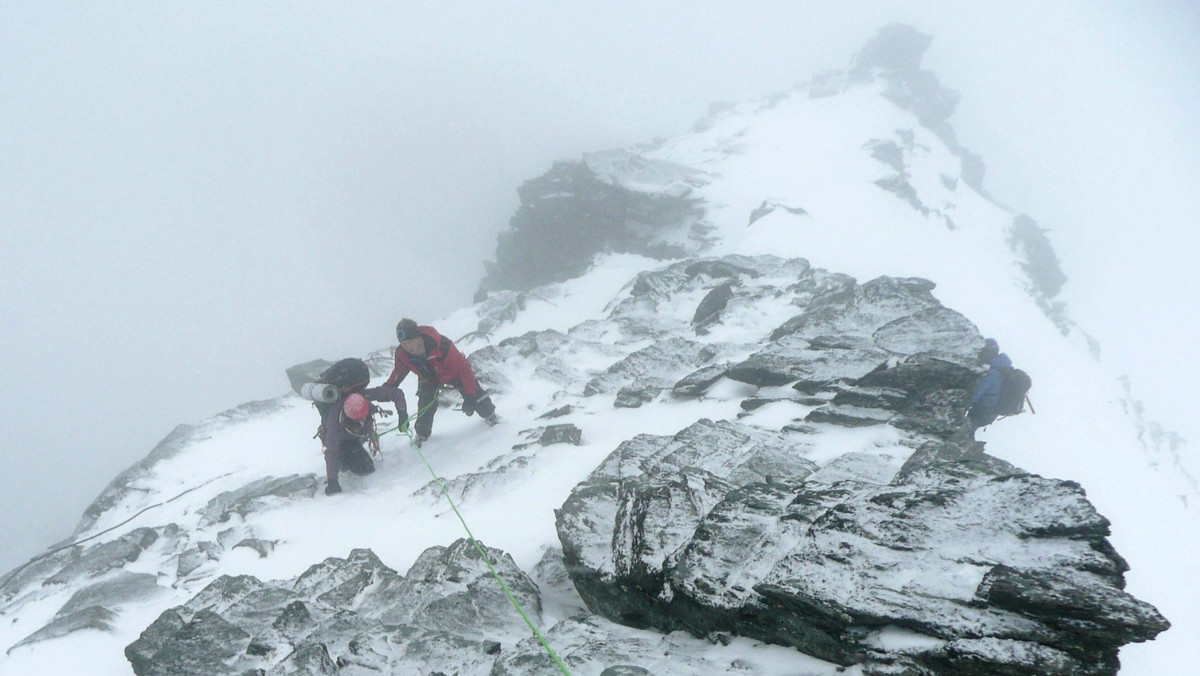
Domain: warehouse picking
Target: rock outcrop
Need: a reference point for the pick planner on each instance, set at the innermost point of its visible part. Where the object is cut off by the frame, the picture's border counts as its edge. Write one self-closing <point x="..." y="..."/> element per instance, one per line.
<point x="346" y="616"/>
<point x="730" y="528"/>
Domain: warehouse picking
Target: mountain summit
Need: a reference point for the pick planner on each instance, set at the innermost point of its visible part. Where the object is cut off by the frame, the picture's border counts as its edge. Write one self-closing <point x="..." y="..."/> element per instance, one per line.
<point x="732" y="369"/>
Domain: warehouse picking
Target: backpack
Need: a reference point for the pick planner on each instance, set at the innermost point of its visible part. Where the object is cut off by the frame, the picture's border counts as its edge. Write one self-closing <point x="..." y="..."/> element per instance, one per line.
<point x="1016" y="384"/>
<point x="347" y="374"/>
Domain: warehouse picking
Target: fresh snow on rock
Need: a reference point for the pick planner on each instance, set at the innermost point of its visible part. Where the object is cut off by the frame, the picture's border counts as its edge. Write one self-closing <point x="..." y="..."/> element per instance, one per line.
<point x="803" y="330"/>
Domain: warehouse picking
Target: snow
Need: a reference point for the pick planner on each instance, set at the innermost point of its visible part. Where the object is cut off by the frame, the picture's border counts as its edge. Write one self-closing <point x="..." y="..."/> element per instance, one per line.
<point x="802" y="152"/>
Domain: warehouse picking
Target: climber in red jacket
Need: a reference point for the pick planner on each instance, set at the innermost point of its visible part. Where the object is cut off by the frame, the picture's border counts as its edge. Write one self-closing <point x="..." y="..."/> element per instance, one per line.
<point x="437" y="363"/>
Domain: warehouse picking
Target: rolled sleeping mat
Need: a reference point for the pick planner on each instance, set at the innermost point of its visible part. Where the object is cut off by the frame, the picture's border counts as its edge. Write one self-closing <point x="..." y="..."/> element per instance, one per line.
<point x="322" y="392"/>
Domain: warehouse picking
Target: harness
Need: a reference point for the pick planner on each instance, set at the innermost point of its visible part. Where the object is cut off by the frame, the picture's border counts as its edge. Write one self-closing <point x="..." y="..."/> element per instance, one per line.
<point x="364" y="430"/>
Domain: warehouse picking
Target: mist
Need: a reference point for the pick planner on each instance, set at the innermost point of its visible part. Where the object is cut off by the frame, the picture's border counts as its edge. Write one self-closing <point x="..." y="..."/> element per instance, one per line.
<point x="194" y="198"/>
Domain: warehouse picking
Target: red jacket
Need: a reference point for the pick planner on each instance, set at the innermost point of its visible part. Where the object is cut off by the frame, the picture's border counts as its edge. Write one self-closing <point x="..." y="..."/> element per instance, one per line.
<point x="441" y="364"/>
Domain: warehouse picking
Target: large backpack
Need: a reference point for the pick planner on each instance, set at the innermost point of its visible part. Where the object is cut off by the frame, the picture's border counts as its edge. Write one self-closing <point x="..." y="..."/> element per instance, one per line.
<point x="347" y="374"/>
<point x="1012" y="392"/>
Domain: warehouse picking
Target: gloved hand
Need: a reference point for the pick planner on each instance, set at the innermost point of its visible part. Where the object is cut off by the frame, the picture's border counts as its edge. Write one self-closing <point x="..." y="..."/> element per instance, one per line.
<point x="333" y="488"/>
<point x="468" y="405"/>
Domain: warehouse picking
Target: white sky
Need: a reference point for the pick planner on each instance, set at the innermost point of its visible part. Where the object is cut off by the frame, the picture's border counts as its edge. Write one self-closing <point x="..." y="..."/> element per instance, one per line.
<point x="193" y="198"/>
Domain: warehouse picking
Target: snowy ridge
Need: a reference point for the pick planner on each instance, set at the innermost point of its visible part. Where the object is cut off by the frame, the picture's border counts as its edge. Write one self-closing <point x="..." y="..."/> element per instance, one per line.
<point x="833" y="180"/>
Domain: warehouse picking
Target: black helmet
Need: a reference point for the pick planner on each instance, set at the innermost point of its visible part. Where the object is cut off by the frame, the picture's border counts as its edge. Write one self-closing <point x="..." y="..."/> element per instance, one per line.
<point x="406" y="330"/>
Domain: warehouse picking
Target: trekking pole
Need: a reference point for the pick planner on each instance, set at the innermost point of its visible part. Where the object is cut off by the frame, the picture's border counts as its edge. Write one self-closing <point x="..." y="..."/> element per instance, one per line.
<point x="1030" y="405"/>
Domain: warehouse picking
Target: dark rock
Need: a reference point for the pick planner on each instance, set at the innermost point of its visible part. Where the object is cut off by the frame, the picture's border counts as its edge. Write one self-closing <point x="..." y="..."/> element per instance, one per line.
<point x="697" y="382"/>
<point x="1081" y="602"/>
<point x="345" y="615"/>
<point x="734" y="266"/>
<point x="254" y="496"/>
<point x="1041" y="264"/>
<point x="308" y="372"/>
<point x="558" y="412"/>
<point x="895" y="47"/>
<point x="790" y="360"/>
<point x="203" y="645"/>
<point x="561" y="434"/>
<point x="633" y="396"/>
<point x="709" y="310"/>
<point x="618" y="527"/>
<point x="570" y="214"/>
<point x="1003" y="571"/>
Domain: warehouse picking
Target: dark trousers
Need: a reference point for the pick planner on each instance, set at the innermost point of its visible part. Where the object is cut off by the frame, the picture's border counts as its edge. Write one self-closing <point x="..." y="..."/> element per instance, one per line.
<point x="427" y="404"/>
<point x="354" y="458"/>
<point x="982" y="415"/>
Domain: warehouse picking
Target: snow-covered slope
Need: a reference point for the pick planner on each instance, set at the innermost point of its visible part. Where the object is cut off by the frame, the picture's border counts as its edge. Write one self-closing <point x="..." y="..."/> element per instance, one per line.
<point x="855" y="173"/>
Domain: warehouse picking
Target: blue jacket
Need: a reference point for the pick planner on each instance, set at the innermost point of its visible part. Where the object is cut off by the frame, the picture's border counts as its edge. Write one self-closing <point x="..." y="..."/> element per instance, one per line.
<point x="987" y="392"/>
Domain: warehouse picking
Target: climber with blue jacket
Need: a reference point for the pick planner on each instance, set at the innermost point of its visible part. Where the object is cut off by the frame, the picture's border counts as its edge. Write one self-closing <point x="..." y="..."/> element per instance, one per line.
<point x="985" y="401"/>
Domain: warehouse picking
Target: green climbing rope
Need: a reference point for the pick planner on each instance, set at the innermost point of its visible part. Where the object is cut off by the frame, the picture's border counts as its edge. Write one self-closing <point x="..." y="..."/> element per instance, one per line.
<point x="407" y="431"/>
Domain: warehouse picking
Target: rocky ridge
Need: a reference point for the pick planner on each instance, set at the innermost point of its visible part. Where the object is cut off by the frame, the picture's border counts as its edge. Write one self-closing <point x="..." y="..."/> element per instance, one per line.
<point x="914" y="553"/>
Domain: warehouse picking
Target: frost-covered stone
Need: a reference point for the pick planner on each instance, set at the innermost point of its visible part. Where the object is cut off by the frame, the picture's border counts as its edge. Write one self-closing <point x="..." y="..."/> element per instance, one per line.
<point x="346" y="616"/>
<point x="255" y="495"/>
<point x="952" y="544"/>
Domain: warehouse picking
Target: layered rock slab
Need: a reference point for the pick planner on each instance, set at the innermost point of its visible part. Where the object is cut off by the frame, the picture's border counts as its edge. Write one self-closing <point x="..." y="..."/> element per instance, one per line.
<point x="998" y="570"/>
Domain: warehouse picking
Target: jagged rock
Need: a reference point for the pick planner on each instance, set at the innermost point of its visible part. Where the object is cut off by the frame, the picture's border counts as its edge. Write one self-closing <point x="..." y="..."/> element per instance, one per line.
<point x="709" y="310"/>
<point x="557" y="413"/>
<point x="633" y="396"/>
<point x="1002" y="571"/>
<point x="640" y="505"/>
<point x="192" y="559"/>
<point x="850" y="331"/>
<point x="307" y="372"/>
<point x="105" y="556"/>
<point x="568" y="215"/>
<point x="345" y="616"/>
<point x="651" y="363"/>
<point x="697" y="382"/>
<point x="252" y="497"/>
<point x="848" y="309"/>
<point x="790" y="360"/>
<point x="561" y="434"/>
<point x="1041" y="264"/>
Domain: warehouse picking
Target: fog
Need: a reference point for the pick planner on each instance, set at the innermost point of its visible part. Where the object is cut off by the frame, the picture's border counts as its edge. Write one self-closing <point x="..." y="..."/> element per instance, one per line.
<point x="195" y="197"/>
